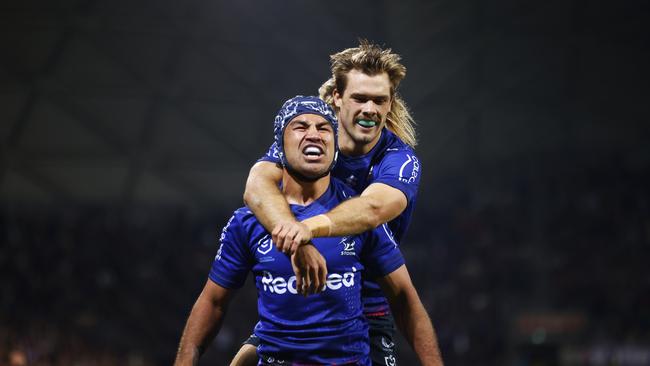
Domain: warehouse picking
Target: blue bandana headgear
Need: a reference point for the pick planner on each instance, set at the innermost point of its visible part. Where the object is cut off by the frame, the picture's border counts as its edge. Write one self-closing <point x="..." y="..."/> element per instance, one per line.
<point x="303" y="105"/>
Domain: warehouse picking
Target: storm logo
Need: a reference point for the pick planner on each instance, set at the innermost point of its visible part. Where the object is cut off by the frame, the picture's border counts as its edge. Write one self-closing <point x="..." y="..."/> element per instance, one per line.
<point x="348" y="247"/>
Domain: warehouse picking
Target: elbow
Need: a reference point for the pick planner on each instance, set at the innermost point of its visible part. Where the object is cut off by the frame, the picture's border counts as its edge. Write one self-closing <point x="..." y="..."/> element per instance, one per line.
<point x="252" y="193"/>
<point x="262" y="177"/>
<point x="381" y="206"/>
<point x="252" y="197"/>
<point x="248" y="197"/>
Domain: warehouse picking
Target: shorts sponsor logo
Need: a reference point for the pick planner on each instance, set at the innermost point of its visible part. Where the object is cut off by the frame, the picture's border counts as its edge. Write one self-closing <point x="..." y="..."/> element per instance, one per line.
<point x="390" y="360"/>
<point x="271" y="361"/>
<point x="281" y="285"/>
<point x="388" y="344"/>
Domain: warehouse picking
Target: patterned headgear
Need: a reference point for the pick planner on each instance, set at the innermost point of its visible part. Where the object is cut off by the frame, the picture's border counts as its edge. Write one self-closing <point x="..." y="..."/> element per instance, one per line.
<point x="303" y="105"/>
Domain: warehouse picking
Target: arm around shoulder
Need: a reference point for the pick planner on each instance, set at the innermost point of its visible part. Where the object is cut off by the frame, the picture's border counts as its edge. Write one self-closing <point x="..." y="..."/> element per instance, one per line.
<point x="377" y="204"/>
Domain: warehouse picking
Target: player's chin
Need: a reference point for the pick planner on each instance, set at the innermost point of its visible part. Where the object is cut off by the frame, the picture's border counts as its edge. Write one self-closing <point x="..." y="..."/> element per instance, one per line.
<point x="315" y="170"/>
<point x="364" y="137"/>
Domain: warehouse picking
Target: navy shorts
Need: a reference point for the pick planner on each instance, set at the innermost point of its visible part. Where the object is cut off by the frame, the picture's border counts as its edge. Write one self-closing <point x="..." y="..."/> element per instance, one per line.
<point x="382" y="344"/>
<point x="382" y="340"/>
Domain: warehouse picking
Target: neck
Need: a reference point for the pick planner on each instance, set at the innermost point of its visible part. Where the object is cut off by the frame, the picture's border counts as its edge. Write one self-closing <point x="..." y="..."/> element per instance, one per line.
<point x="349" y="147"/>
<point x="300" y="192"/>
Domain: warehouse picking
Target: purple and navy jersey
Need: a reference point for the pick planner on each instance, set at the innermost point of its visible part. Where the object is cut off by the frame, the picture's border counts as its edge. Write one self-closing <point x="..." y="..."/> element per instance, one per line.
<point x="391" y="162"/>
<point x="327" y="328"/>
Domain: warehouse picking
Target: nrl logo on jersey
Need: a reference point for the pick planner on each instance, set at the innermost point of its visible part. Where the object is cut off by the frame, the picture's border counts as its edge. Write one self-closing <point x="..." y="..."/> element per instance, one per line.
<point x="348" y="246"/>
<point x="265" y="244"/>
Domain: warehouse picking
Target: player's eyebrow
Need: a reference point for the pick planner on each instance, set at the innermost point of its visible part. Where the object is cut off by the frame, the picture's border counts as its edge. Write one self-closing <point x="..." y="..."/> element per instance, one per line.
<point x="382" y="98"/>
<point x="321" y="124"/>
<point x="304" y="123"/>
<point x="300" y="122"/>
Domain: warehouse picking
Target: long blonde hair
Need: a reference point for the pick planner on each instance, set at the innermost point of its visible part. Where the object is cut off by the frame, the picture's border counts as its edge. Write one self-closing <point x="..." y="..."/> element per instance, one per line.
<point x="372" y="60"/>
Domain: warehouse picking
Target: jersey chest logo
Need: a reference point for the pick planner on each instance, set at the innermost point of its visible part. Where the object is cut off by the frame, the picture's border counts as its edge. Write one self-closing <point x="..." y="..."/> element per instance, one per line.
<point x="348" y="246"/>
<point x="265" y="244"/>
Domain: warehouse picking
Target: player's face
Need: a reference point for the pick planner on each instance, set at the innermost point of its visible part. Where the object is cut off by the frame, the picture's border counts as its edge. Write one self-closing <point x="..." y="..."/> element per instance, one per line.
<point x="363" y="106"/>
<point x="309" y="144"/>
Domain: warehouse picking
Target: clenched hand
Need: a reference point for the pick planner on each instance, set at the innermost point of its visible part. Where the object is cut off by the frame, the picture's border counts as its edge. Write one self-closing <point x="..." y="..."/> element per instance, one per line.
<point x="288" y="236"/>
<point x="310" y="269"/>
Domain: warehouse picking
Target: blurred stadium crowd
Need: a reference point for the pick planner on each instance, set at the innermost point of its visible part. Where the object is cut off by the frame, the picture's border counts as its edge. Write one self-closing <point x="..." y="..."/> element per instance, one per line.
<point x="520" y="264"/>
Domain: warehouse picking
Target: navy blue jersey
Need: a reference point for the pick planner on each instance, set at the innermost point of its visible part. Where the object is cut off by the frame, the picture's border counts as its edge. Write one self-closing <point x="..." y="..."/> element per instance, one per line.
<point x="392" y="162"/>
<point x="327" y="328"/>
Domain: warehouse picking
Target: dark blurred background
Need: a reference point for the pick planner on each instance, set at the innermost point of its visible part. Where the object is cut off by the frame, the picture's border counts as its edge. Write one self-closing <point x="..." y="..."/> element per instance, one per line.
<point x="127" y="129"/>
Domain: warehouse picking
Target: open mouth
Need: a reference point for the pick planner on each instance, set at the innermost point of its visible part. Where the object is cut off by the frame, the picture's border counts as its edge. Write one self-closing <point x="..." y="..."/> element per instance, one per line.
<point x="313" y="151"/>
<point x="367" y="123"/>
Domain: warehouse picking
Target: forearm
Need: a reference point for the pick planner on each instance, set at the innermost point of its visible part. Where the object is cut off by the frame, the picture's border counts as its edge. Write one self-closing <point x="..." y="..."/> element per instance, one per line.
<point x="414" y="323"/>
<point x="378" y="204"/>
<point x="351" y="217"/>
<point x="411" y="316"/>
<point x="262" y="195"/>
<point x="202" y="325"/>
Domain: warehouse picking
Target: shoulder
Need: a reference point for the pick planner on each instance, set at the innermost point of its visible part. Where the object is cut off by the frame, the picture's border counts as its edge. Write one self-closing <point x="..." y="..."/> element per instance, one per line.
<point x="241" y="221"/>
<point x="398" y="162"/>
<point x="396" y="151"/>
<point x="392" y="143"/>
<point x="242" y="215"/>
<point x="392" y="147"/>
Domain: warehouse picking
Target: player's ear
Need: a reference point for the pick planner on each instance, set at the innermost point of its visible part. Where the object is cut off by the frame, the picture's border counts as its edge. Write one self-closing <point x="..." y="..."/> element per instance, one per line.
<point x="337" y="98"/>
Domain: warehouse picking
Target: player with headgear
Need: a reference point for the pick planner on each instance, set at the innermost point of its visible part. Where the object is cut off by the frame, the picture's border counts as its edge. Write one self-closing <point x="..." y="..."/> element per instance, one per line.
<point x="325" y="328"/>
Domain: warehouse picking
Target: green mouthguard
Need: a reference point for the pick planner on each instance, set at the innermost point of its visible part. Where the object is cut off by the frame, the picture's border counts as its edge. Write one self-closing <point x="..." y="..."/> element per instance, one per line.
<point x="367" y="123"/>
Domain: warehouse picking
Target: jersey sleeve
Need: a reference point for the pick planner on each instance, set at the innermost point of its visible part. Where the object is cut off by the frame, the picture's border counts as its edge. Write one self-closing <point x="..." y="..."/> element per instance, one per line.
<point x="381" y="255"/>
<point x="272" y="155"/>
<point x="233" y="260"/>
<point x="401" y="170"/>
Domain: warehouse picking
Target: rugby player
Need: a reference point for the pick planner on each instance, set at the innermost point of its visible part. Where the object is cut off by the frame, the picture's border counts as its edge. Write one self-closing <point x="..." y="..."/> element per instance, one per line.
<point x="322" y="329"/>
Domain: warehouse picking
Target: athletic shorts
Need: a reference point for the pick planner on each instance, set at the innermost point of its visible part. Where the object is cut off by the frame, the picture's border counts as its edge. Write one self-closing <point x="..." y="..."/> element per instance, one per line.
<point x="383" y="351"/>
<point x="270" y="361"/>
<point x="382" y="346"/>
